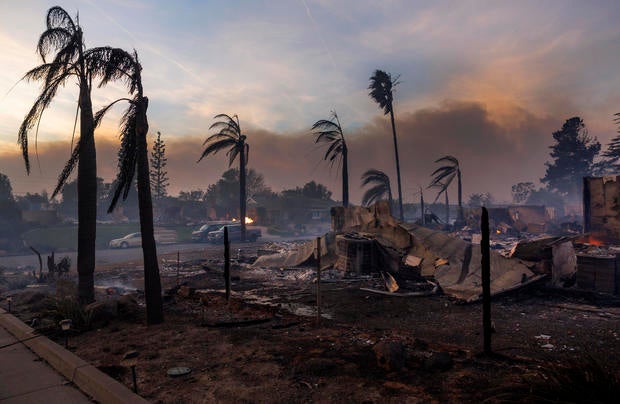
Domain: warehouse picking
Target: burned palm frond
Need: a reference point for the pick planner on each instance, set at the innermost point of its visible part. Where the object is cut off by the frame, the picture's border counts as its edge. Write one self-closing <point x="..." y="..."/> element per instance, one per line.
<point x="127" y="156"/>
<point x="330" y="133"/>
<point x="381" y="188"/>
<point x="381" y="89"/>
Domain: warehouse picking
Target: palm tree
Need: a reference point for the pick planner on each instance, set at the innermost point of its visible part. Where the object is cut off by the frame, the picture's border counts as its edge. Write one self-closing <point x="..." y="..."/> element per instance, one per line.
<point x="445" y="174"/>
<point x="381" y="188"/>
<point x="381" y="84"/>
<point x="330" y="132"/>
<point x="117" y="64"/>
<point x="229" y="137"/>
<point x="63" y="40"/>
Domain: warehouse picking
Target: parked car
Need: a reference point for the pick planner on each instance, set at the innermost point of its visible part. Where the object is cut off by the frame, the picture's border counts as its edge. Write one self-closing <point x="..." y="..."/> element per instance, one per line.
<point x="162" y="236"/>
<point x="130" y="240"/>
<point x="201" y="235"/>
<point x="234" y="234"/>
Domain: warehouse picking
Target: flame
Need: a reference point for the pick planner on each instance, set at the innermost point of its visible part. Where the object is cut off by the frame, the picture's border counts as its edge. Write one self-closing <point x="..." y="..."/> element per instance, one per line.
<point x="594" y="241"/>
<point x="248" y="220"/>
<point x="498" y="231"/>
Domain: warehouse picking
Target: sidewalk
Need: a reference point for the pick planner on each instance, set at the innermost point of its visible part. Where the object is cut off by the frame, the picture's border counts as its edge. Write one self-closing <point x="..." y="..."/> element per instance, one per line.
<point x="25" y="378"/>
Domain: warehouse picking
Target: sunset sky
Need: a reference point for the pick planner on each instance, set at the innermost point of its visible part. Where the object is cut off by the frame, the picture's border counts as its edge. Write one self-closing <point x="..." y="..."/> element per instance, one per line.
<point x="485" y="81"/>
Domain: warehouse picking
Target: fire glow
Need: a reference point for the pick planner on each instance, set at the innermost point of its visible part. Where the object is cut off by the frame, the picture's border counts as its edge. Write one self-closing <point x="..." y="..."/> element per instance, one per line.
<point x="248" y="220"/>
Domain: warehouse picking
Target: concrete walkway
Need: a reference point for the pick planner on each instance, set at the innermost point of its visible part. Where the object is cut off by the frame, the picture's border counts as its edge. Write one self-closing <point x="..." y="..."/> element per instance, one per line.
<point x="25" y="378"/>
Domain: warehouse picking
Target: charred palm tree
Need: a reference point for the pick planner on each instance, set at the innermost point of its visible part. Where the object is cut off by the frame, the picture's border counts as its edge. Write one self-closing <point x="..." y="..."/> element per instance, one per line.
<point x="445" y="174"/>
<point x="381" y="85"/>
<point x="330" y="132"/>
<point x="117" y="64"/>
<point x="229" y="137"/>
<point x="380" y="187"/>
<point x="62" y="42"/>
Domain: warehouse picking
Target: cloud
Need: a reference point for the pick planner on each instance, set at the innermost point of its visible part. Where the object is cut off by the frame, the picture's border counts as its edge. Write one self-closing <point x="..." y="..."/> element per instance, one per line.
<point x="492" y="156"/>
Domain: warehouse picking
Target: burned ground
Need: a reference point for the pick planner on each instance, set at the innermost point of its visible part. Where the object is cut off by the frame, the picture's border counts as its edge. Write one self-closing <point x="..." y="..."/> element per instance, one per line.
<point x="265" y="345"/>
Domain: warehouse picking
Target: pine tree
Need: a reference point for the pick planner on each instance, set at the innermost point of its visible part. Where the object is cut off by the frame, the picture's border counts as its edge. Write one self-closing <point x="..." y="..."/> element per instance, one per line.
<point x="159" y="176"/>
<point x="573" y="155"/>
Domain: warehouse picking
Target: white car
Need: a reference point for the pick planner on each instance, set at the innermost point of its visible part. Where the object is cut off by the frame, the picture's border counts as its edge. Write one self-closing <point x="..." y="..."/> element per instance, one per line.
<point x="130" y="240"/>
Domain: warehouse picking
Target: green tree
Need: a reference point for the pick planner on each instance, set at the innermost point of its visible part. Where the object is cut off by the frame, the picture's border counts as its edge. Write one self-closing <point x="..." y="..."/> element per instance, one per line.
<point x="229" y="137"/>
<point x="330" y="132"/>
<point x="443" y="177"/>
<point x="6" y="190"/>
<point x="573" y="158"/>
<point x="381" y="86"/>
<point x="311" y="190"/>
<point x="63" y="40"/>
<point x="117" y="64"/>
<point x="225" y="192"/>
<point x="521" y="192"/>
<point x="159" y="175"/>
<point x="380" y="187"/>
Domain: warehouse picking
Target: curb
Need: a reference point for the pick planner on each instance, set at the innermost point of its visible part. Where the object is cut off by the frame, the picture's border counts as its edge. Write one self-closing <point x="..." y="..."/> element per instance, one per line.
<point x="85" y="376"/>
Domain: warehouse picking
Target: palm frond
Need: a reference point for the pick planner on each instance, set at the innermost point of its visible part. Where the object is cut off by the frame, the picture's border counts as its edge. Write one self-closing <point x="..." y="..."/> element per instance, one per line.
<point x="381" y="85"/>
<point x="127" y="156"/>
<point x="67" y="170"/>
<point x="101" y="113"/>
<point x="215" y="147"/>
<point x="232" y="154"/>
<point x="381" y="188"/>
<point x="448" y="158"/>
<point x="110" y="64"/>
<point x="34" y="115"/>
<point x="58" y="17"/>
<point x="444" y="180"/>
<point x="53" y="38"/>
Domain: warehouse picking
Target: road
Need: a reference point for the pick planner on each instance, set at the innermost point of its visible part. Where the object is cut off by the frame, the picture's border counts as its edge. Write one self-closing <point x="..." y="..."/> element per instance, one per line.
<point x="111" y="256"/>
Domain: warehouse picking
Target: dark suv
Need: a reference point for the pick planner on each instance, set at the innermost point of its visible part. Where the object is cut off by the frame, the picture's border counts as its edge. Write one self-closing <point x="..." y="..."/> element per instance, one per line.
<point x="201" y="235"/>
<point x="234" y="234"/>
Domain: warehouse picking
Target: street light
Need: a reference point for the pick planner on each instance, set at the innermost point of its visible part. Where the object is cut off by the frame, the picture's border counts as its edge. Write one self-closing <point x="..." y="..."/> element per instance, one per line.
<point x="65" y="326"/>
<point x="130" y="359"/>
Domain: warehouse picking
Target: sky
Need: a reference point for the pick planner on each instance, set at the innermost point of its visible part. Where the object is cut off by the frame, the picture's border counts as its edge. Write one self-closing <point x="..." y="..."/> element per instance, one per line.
<point x="485" y="81"/>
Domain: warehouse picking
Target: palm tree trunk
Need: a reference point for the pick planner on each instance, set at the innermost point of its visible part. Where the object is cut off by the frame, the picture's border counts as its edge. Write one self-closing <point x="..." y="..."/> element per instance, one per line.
<point x="460" y="217"/>
<point x="345" y="177"/>
<point x="400" y="193"/>
<point x="152" y="281"/>
<point x="447" y="207"/>
<point x="242" y="191"/>
<point x="87" y="198"/>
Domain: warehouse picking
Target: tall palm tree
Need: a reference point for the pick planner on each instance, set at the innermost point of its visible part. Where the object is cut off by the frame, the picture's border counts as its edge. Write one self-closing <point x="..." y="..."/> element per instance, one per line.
<point x="445" y="174"/>
<point x="229" y="137"/>
<point x="381" y="85"/>
<point x="330" y="132"/>
<point x="63" y="42"/>
<point x="381" y="188"/>
<point x="117" y="64"/>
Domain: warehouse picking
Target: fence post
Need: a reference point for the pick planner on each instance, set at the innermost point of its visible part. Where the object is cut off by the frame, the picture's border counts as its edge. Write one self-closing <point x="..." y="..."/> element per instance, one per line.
<point x="486" y="280"/>
<point x="227" y="263"/>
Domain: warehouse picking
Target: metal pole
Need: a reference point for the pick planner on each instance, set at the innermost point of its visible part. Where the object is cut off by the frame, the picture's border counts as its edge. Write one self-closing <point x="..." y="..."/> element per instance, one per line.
<point x="486" y="280"/>
<point x="135" y="383"/>
<point x="227" y="263"/>
<point x="318" y="280"/>
<point x="178" y="265"/>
